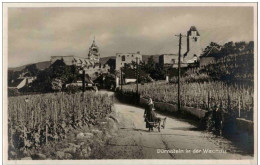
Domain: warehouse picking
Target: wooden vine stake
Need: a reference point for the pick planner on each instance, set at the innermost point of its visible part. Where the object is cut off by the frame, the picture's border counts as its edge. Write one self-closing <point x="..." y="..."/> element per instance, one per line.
<point x="46" y="138"/>
<point x="239" y="107"/>
<point x="209" y="100"/>
<point x="24" y="135"/>
<point x="11" y="134"/>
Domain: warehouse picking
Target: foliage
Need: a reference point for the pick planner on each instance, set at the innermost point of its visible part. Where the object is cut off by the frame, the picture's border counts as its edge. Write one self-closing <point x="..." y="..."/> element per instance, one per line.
<point x="71" y="89"/>
<point x="106" y="81"/>
<point x="234" y="63"/>
<point x="13" y="75"/>
<point x="109" y="81"/>
<point x="111" y="63"/>
<point x="13" y="92"/>
<point x="46" y="79"/>
<point x="67" y="74"/>
<point x="129" y="71"/>
<point x="202" y="95"/>
<point x="232" y="68"/>
<point x="32" y="70"/>
<point x="56" y="85"/>
<point x="155" y="71"/>
<point x="228" y="48"/>
<point x="42" y="83"/>
<point x="209" y="48"/>
<point x="36" y="120"/>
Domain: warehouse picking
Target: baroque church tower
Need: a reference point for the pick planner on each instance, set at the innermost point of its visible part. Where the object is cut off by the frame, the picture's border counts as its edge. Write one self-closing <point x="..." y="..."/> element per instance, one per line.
<point x="193" y="46"/>
<point x="93" y="53"/>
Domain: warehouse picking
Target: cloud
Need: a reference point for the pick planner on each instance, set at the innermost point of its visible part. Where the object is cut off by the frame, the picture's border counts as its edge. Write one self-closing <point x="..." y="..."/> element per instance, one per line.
<point x="35" y="34"/>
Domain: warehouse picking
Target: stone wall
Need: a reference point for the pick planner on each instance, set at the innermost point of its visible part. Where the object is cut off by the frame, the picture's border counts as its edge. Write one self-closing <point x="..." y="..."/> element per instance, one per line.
<point x="245" y="125"/>
<point x="199" y="113"/>
<point x="242" y="125"/>
<point x="167" y="107"/>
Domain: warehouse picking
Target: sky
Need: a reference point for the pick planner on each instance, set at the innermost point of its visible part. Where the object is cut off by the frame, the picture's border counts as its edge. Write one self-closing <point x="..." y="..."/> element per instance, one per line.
<point x="36" y="34"/>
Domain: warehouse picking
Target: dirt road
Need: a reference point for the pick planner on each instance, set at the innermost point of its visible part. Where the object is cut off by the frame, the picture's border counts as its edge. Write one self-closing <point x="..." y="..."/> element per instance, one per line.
<point x="179" y="140"/>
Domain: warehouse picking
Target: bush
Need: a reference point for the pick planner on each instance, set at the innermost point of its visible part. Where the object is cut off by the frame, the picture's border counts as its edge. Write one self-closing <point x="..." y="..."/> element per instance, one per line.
<point x="13" y="92"/>
<point x="71" y="89"/>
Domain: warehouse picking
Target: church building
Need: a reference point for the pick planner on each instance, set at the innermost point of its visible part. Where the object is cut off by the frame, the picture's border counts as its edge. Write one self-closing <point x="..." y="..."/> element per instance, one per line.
<point x="193" y="46"/>
<point x="94" y="54"/>
<point x="192" y="54"/>
<point x="91" y="64"/>
<point x="92" y="59"/>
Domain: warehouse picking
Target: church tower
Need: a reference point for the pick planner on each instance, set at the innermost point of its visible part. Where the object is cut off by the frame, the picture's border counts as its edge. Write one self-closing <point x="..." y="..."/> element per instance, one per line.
<point x="93" y="53"/>
<point x="193" y="46"/>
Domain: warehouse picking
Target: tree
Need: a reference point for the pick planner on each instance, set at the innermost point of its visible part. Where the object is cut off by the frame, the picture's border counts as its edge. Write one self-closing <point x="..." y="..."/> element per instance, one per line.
<point x="13" y="75"/>
<point x="150" y="66"/>
<point x="212" y="50"/>
<point x="32" y="70"/>
<point x="42" y="82"/>
<point x="67" y="74"/>
<point x="250" y="47"/>
<point x="57" y="72"/>
<point x="210" y="46"/>
<point x="228" y="48"/>
<point x="112" y="64"/>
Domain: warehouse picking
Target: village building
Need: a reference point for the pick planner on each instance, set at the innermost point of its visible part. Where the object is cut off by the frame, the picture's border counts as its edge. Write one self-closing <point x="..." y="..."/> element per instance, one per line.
<point x="97" y="69"/>
<point x="73" y="60"/>
<point x="91" y="64"/>
<point x="23" y="80"/>
<point x="167" y="60"/>
<point x="194" y="50"/>
<point x="171" y="61"/>
<point x="192" y="54"/>
<point x="92" y="59"/>
<point x="127" y="58"/>
<point x="209" y="57"/>
<point x="93" y="54"/>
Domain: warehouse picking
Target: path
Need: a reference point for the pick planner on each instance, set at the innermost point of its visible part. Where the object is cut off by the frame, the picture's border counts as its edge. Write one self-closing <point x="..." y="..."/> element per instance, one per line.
<point x="133" y="140"/>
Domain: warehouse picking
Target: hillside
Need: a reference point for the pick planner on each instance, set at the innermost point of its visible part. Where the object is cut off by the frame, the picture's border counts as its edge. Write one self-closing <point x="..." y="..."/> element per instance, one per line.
<point x="40" y="65"/>
<point x="45" y="64"/>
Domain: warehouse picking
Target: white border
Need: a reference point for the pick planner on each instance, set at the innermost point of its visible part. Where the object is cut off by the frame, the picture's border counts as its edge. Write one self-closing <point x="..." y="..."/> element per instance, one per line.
<point x="129" y="161"/>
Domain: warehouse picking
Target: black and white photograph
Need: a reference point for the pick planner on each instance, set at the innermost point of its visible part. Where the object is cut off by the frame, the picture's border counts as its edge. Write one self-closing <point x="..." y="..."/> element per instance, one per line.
<point x="143" y="83"/>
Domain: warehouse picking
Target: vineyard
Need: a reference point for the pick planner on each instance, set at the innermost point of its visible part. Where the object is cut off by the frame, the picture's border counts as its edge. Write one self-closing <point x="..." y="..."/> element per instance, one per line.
<point x="40" y="119"/>
<point x="235" y="67"/>
<point x="234" y="99"/>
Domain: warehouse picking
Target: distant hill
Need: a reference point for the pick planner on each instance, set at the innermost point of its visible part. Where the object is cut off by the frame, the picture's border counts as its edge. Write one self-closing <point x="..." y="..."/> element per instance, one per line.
<point x="40" y="65"/>
<point x="45" y="64"/>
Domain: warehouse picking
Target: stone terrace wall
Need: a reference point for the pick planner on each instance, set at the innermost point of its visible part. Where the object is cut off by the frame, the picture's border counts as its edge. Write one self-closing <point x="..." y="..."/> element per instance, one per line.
<point x="241" y="124"/>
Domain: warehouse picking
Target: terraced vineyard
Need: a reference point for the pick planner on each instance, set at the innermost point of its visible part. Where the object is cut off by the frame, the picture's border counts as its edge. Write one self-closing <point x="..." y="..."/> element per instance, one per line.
<point x="35" y="120"/>
<point x="202" y="95"/>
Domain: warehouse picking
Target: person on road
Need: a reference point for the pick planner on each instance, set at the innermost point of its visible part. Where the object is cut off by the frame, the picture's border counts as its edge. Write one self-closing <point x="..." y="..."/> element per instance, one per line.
<point x="149" y="115"/>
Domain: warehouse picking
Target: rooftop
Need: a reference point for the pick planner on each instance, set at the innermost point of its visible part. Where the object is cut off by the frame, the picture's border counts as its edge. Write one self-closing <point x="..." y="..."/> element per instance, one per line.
<point x="193" y="28"/>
